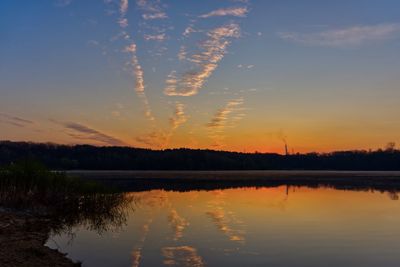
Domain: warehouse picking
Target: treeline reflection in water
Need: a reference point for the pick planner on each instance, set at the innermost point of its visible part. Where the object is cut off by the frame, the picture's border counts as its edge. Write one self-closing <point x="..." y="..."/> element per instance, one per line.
<point x="390" y="186"/>
<point x="174" y="217"/>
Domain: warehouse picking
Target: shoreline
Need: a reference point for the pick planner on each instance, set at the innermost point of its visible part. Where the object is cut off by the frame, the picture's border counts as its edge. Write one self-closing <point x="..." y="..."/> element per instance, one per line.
<point x="229" y="174"/>
<point x="211" y="180"/>
<point x="22" y="242"/>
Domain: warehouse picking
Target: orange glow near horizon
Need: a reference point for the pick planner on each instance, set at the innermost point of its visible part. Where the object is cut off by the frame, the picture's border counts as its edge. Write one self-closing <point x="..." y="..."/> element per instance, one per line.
<point x="234" y="77"/>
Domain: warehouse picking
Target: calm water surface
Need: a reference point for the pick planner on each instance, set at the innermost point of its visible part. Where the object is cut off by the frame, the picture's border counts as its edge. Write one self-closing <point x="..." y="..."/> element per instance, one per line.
<point x="278" y="226"/>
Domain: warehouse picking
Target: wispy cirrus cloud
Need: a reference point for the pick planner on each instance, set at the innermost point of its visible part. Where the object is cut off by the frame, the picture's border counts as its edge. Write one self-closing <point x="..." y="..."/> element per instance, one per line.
<point x="137" y="69"/>
<point x="155" y="37"/>
<point x="151" y="28"/>
<point x="231" y="11"/>
<point x="15" y="120"/>
<point x="219" y="121"/>
<point x="159" y="138"/>
<point x="123" y="22"/>
<point x="344" y="37"/>
<point x="182" y="53"/>
<point x="123" y="9"/>
<point x="139" y="84"/>
<point x="117" y="112"/>
<point x="171" y="82"/>
<point x="213" y="49"/>
<point x="240" y="66"/>
<point x="151" y="10"/>
<point x="160" y="15"/>
<point x="188" y="30"/>
<point x="155" y="138"/>
<point x="124" y="4"/>
<point x="223" y="118"/>
<point x="200" y="58"/>
<point x="84" y="132"/>
<point x="179" y="117"/>
<point x="133" y="63"/>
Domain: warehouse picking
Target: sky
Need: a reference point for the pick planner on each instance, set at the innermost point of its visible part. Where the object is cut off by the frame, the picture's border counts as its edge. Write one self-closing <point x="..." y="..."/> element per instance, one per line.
<point x="236" y="75"/>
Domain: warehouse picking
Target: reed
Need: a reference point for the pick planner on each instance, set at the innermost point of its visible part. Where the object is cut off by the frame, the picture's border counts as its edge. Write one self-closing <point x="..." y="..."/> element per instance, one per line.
<point x="68" y="201"/>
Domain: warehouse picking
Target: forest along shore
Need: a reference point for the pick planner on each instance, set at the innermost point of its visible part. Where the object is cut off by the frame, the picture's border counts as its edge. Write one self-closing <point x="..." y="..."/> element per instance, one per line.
<point x="87" y="157"/>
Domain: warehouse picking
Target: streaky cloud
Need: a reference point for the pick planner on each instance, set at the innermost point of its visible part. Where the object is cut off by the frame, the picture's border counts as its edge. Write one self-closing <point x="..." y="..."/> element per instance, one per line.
<point x="123" y="22"/>
<point x="231" y="11"/>
<point x="344" y="37"/>
<point x="151" y="28"/>
<point x="160" y="138"/>
<point x="179" y="117"/>
<point x="151" y="10"/>
<point x="213" y="49"/>
<point x="171" y="81"/>
<point x="155" y="37"/>
<point x="240" y="66"/>
<point x="155" y="138"/>
<point x="85" y="132"/>
<point x="124" y="4"/>
<point x="221" y="116"/>
<point x="182" y="53"/>
<point x="15" y="120"/>
<point x="134" y="62"/>
<point x="160" y="15"/>
<point x="188" y="30"/>
<point x="139" y="84"/>
<point x="221" y="119"/>
<point x="123" y="9"/>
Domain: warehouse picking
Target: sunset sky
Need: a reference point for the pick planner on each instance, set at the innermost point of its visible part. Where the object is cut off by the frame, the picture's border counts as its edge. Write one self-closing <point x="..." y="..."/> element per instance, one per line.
<point x="240" y="75"/>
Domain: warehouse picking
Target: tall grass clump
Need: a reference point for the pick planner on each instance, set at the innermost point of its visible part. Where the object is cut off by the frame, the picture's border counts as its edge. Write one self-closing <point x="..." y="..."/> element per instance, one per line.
<point x="69" y="201"/>
<point x="30" y="182"/>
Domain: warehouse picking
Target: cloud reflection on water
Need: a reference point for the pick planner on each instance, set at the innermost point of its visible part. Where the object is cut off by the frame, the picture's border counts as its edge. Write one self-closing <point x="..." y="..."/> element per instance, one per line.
<point x="136" y="253"/>
<point x="177" y="223"/>
<point x="225" y="221"/>
<point x="184" y="256"/>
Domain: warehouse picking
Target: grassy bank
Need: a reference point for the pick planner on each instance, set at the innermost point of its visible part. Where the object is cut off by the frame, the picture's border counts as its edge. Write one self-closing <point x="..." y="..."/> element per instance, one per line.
<point x="36" y="202"/>
<point x="28" y="183"/>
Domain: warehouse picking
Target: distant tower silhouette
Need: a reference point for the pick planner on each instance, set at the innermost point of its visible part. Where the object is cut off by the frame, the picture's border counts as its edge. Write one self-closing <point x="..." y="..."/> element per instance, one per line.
<point x="286" y="150"/>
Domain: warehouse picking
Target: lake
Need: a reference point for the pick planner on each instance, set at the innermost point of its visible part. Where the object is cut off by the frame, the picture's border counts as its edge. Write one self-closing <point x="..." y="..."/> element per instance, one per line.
<point x="245" y="226"/>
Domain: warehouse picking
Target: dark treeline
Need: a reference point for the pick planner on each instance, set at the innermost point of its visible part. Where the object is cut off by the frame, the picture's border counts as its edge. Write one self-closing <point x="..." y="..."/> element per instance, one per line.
<point x="87" y="157"/>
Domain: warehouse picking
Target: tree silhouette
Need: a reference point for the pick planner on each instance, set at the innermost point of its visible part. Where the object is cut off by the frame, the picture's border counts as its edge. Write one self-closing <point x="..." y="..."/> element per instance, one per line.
<point x="64" y="157"/>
